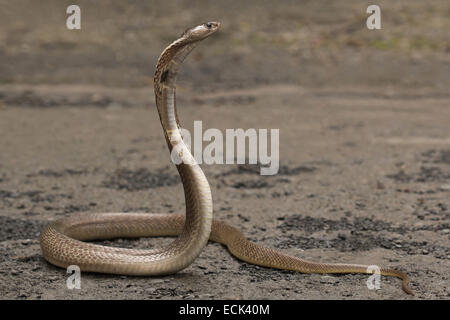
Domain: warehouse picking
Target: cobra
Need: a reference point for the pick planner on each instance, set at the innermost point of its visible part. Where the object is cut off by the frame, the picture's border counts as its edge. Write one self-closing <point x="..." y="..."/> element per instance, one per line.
<point x="64" y="242"/>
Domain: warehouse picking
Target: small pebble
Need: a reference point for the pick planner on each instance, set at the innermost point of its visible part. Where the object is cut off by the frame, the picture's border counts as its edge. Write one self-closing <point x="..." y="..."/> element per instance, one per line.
<point x="157" y="281"/>
<point x="328" y="279"/>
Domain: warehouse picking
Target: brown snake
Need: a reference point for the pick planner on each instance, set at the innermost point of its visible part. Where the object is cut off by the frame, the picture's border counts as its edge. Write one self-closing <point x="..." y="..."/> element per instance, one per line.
<point x="62" y="242"/>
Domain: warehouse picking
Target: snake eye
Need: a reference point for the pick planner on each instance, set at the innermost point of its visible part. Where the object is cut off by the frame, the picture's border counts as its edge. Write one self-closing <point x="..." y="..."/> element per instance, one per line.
<point x="209" y="25"/>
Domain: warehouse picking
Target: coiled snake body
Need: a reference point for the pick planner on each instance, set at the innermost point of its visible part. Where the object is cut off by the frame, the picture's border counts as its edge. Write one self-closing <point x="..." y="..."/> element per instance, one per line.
<point x="62" y="242"/>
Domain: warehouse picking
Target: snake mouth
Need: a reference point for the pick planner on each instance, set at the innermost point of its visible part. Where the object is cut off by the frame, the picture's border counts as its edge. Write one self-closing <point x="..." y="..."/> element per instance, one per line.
<point x="212" y="25"/>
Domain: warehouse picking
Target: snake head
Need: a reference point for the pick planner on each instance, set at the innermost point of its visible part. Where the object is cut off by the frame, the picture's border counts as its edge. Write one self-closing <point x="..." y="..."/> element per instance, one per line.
<point x="202" y="31"/>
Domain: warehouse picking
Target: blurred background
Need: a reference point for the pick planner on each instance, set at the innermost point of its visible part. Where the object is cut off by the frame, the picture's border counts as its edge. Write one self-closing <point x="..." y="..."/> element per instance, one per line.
<point x="310" y="43"/>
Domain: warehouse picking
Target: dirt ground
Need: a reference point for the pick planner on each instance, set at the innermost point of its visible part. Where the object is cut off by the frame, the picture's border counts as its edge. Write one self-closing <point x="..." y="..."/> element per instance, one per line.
<point x="364" y="119"/>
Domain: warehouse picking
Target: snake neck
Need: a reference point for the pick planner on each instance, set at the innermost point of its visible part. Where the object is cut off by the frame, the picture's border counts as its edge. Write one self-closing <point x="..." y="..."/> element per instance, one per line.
<point x="165" y="79"/>
<point x="196" y="187"/>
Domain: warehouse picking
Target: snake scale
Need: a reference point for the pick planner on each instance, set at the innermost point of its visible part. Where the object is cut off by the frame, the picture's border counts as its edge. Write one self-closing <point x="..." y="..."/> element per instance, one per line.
<point x="63" y="241"/>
